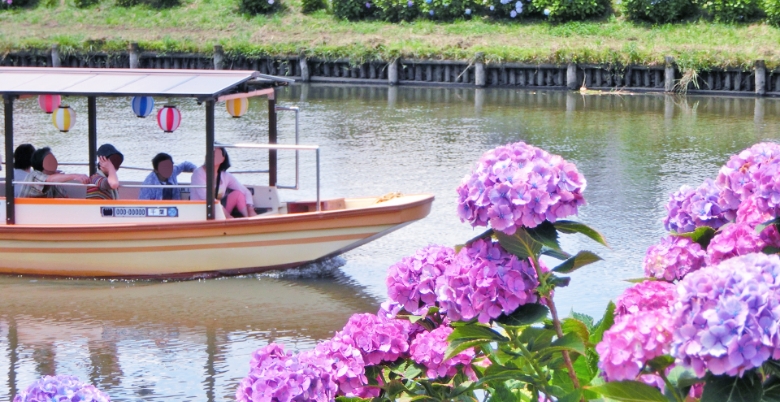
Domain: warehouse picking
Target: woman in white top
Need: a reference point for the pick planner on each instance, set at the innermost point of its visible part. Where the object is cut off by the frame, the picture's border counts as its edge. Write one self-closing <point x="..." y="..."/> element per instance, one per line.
<point x="239" y="198"/>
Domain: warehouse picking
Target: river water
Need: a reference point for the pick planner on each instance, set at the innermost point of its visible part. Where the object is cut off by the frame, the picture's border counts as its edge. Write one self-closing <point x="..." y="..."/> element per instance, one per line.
<point x="191" y="341"/>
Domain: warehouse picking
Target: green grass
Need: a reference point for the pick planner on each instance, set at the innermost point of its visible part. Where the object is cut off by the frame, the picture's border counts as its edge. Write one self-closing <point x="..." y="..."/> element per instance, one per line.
<point x="197" y="25"/>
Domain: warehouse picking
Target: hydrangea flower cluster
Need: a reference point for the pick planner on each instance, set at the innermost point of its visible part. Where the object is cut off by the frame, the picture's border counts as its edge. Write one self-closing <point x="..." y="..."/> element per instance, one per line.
<point x="378" y="339"/>
<point x="673" y="258"/>
<point x="61" y="388"/>
<point x="726" y="316"/>
<point x="276" y="375"/>
<point x="429" y="348"/>
<point x="641" y="332"/>
<point x="734" y="240"/>
<point x="752" y="172"/>
<point x="750" y="213"/>
<point x="345" y="362"/>
<point x="690" y="208"/>
<point x="485" y="281"/>
<point x="411" y="282"/>
<point x="519" y="185"/>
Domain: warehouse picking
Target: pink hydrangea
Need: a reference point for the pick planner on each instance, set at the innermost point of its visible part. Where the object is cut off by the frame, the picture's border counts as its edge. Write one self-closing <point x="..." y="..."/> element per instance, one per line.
<point x="673" y="258"/>
<point x="484" y="281"/>
<point x="726" y="317"/>
<point x="345" y="362"/>
<point x="645" y="296"/>
<point x="752" y="171"/>
<point x="279" y="376"/>
<point x="750" y="213"/>
<point x="734" y="240"/>
<point x="61" y="388"/>
<point x="690" y="208"/>
<point x="378" y="339"/>
<point x="632" y="341"/>
<point x="519" y="185"/>
<point x="412" y="281"/>
<point x="429" y="348"/>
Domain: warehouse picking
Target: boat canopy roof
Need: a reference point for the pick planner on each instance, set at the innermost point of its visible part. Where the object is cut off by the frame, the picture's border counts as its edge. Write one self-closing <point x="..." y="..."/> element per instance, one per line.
<point x="201" y="84"/>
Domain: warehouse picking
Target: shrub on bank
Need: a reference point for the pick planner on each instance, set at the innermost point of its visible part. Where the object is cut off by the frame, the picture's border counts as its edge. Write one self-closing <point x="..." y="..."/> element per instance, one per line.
<point x="658" y="11"/>
<point x="85" y="3"/>
<point x="399" y="10"/>
<point x="772" y="11"/>
<point x="354" y="10"/>
<point x="5" y="4"/>
<point x="149" y="3"/>
<point x="254" y="7"/>
<point x="509" y="9"/>
<point x="572" y="10"/>
<point x="447" y="10"/>
<point x="732" y="10"/>
<point x="310" y="6"/>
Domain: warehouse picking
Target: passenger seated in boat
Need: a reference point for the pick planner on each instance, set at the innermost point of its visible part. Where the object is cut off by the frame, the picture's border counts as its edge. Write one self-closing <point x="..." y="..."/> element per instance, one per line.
<point x="105" y="179"/>
<point x="165" y="173"/>
<point x="239" y="199"/>
<point x="22" y="164"/>
<point x="44" y="165"/>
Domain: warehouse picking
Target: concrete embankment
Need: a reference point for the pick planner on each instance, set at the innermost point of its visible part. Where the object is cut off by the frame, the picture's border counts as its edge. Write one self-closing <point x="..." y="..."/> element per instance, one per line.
<point x="667" y="77"/>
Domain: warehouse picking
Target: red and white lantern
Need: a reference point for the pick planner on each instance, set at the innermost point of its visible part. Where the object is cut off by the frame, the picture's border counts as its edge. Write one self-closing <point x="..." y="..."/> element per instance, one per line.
<point x="168" y="118"/>
<point x="49" y="103"/>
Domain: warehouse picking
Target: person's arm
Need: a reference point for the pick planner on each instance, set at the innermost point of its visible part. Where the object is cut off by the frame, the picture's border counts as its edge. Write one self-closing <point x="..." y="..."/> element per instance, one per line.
<point x="63" y="177"/>
<point x="113" y="180"/>
<point x="148" y="193"/>
<point x="184" y="167"/>
<point x="235" y="185"/>
<point x="198" y="179"/>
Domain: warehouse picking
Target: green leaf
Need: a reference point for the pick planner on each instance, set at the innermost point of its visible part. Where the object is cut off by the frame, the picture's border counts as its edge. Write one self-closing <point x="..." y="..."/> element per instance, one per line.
<point x="760" y="228"/>
<point x="545" y="234"/>
<point x="526" y="314"/>
<point x="536" y="338"/>
<point x="772" y="367"/>
<point x="570" y="227"/>
<point x="520" y="244"/>
<point x="702" y="235"/>
<point x="770" y="250"/>
<point x="585" y="367"/>
<point x="682" y="377"/>
<point x="660" y="363"/>
<point x="484" y="235"/>
<point x="503" y="375"/>
<point x="724" y="388"/>
<point x="569" y="342"/>
<point x="559" y="254"/>
<point x="603" y="325"/>
<point x="459" y="346"/>
<point x="584" y="318"/>
<point x="580" y="260"/>
<point x="350" y="399"/>
<point x="639" y="280"/>
<point x="771" y="389"/>
<point x="573" y="325"/>
<point x="629" y="391"/>
<point x="471" y="335"/>
<point x="559" y="281"/>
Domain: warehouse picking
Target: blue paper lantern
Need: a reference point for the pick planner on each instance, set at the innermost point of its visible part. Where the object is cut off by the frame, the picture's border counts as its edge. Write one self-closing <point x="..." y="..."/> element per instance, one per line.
<point x="142" y="105"/>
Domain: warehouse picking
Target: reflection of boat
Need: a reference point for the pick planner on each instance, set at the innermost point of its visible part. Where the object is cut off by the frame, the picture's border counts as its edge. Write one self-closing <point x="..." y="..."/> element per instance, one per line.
<point x="75" y="238"/>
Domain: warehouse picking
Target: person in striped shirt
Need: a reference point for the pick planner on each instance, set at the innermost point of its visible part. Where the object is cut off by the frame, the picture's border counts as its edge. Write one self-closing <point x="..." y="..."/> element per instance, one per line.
<point x="105" y="180"/>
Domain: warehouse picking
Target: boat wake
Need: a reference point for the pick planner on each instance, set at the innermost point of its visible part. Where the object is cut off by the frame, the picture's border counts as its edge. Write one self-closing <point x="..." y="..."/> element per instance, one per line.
<point x="320" y="269"/>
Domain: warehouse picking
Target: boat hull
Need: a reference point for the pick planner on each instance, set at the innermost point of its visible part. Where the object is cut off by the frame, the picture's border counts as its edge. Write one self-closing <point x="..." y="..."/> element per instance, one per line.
<point x="200" y="249"/>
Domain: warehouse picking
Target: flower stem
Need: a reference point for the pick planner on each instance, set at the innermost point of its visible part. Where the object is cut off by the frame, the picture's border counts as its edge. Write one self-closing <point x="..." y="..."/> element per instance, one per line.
<point x="669" y="386"/>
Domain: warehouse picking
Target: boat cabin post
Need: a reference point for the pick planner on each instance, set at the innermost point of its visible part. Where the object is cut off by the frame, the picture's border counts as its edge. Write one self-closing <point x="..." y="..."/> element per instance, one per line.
<point x="272" y="138"/>
<point x="210" y="196"/>
<point x="92" y="123"/>
<point x="8" y="108"/>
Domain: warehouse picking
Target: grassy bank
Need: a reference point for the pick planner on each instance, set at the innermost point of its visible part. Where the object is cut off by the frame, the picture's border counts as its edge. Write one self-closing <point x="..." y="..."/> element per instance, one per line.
<point x="199" y="24"/>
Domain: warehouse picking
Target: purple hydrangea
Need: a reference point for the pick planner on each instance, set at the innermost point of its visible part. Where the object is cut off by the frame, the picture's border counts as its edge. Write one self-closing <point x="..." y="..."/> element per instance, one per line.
<point x="751" y="213"/>
<point x="726" y="317"/>
<point x="690" y="208"/>
<point x="734" y="240"/>
<point x="411" y="282"/>
<point x="379" y="339"/>
<point x="429" y="348"/>
<point x="632" y="341"/>
<point x="345" y="362"/>
<point x="61" y="388"/>
<point x="673" y="258"/>
<point x="519" y="185"/>
<point x="485" y="281"/>
<point x="645" y="296"/>
<point x="752" y="171"/>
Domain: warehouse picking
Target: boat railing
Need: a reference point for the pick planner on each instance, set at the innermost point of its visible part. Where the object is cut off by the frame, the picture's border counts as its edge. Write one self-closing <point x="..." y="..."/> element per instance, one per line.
<point x="123" y="185"/>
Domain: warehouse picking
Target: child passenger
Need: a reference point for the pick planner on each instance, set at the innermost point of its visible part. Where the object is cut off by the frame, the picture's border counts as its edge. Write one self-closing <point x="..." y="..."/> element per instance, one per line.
<point x="165" y="173"/>
<point x="105" y="179"/>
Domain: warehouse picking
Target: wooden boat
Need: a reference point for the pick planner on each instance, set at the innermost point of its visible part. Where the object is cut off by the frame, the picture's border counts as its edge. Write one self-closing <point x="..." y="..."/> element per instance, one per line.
<point x="131" y="238"/>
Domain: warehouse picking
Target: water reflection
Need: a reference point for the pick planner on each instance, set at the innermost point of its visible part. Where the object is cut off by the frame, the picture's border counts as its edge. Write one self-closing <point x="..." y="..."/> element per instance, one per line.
<point x="192" y="340"/>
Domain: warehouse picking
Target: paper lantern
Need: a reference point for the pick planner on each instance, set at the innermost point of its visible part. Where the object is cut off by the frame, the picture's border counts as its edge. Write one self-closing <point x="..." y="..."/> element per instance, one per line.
<point x="168" y="118"/>
<point x="64" y="118"/>
<point x="49" y="103"/>
<point x="142" y="105"/>
<point x="237" y="107"/>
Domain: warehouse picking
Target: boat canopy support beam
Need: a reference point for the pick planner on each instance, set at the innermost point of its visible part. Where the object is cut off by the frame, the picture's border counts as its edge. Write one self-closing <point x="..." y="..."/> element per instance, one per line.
<point x="272" y="138"/>
<point x="210" y="214"/>
<point x="92" y="122"/>
<point x="8" y="108"/>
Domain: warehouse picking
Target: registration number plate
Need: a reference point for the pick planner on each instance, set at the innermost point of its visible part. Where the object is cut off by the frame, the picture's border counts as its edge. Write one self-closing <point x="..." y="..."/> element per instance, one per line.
<point x="139" y="212"/>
